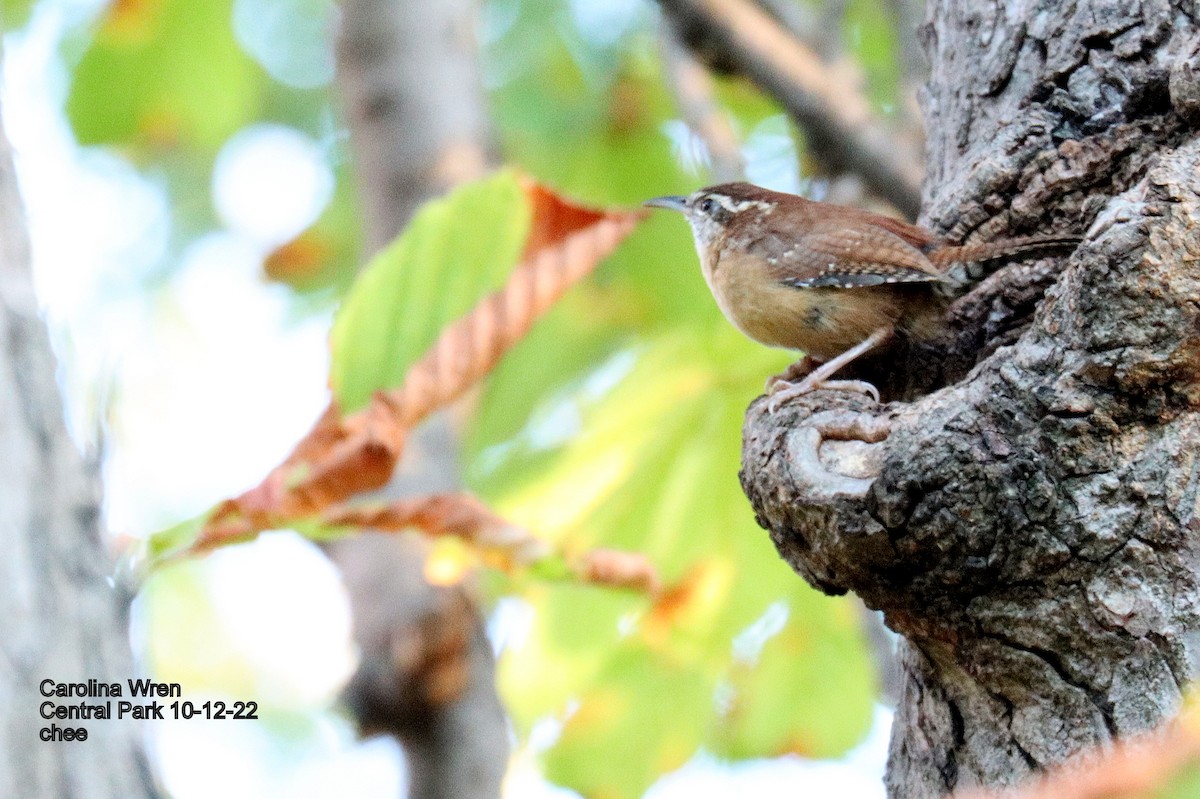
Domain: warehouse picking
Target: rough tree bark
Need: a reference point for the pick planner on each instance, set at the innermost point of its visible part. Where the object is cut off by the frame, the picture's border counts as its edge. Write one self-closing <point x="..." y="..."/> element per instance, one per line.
<point x="410" y="88"/>
<point x="1027" y="517"/>
<point x="60" y="618"/>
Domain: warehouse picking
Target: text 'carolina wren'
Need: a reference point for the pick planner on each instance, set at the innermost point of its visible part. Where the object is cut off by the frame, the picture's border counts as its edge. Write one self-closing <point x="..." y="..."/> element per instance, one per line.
<point x="832" y="281"/>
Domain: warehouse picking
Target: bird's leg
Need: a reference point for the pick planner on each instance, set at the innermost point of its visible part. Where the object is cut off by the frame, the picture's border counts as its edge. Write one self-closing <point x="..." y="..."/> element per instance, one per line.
<point x="795" y="372"/>
<point x="819" y="377"/>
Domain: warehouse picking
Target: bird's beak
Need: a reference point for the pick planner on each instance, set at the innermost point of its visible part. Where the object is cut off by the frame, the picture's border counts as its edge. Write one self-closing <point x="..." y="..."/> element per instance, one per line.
<point x="672" y="202"/>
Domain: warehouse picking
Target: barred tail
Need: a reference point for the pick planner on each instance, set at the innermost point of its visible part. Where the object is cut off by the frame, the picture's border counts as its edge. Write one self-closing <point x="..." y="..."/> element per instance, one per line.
<point x="944" y="257"/>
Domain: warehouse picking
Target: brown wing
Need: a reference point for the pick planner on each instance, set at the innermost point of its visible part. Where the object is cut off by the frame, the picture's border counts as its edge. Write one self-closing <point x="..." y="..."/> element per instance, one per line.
<point x="849" y="253"/>
<point x="916" y="236"/>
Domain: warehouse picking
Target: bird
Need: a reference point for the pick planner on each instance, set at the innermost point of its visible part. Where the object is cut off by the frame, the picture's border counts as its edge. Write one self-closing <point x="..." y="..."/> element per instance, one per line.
<point x="832" y="281"/>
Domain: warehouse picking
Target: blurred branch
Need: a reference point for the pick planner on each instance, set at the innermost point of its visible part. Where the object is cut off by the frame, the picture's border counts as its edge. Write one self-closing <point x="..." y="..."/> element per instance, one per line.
<point x="409" y="83"/>
<point x="802" y="23"/>
<point x="908" y="17"/>
<point x="425" y="673"/>
<point x="839" y="125"/>
<point x="693" y="89"/>
<point x="809" y="26"/>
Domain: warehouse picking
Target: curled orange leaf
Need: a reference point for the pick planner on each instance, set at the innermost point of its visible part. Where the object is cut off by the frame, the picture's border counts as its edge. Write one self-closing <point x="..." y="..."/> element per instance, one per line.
<point x="345" y="455"/>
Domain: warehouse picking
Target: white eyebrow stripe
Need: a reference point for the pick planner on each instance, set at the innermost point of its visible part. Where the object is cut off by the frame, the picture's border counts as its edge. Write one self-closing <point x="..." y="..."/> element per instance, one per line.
<point x="737" y="206"/>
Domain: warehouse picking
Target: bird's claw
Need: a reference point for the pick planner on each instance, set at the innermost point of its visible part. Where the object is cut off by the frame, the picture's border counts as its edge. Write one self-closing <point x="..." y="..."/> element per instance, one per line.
<point x="782" y="391"/>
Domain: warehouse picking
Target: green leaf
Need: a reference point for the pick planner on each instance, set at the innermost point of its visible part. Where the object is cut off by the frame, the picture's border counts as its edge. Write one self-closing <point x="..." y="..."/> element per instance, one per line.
<point x="174" y="539"/>
<point x="674" y="413"/>
<point x="1184" y="784"/>
<point x="621" y="702"/>
<point x="651" y="283"/>
<point x="870" y="31"/>
<point x="814" y="669"/>
<point x="162" y="74"/>
<point x="591" y="126"/>
<point x="648" y="462"/>
<point x="14" y="13"/>
<point x="561" y="349"/>
<point x="455" y="251"/>
<point x="642" y="717"/>
<point x="573" y="630"/>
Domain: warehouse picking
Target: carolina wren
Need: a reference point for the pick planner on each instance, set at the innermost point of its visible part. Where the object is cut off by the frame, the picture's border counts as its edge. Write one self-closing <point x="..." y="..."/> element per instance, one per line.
<point x="832" y="281"/>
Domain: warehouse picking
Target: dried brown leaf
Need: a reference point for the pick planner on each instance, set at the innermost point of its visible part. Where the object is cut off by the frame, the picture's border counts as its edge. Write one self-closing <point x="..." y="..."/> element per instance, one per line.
<point x="565" y="244"/>
<point x="343" y="456"/>
<point x="299" y="260"/>
<point x="459" y="515"/>
<point x="610" y="567"/>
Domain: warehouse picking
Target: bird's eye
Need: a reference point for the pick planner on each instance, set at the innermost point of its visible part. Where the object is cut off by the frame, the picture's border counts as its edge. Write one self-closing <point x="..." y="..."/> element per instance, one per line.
<point x="707" y="205"/>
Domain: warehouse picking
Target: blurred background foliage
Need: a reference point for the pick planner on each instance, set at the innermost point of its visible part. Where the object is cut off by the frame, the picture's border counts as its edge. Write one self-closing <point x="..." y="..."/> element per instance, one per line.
<point x="616" y="423"/>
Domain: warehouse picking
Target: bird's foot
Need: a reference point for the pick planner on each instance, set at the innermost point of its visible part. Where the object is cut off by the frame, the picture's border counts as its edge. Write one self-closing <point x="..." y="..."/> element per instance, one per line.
<point x="782" y="391"/>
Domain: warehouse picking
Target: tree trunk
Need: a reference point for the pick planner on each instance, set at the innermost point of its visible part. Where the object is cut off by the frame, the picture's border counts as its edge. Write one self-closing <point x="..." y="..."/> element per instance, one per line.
<point x="1031" y="529"/>
<point x="408" y="75"/>
<point x="60" y="619"/>
<point x="410" y="88"/>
